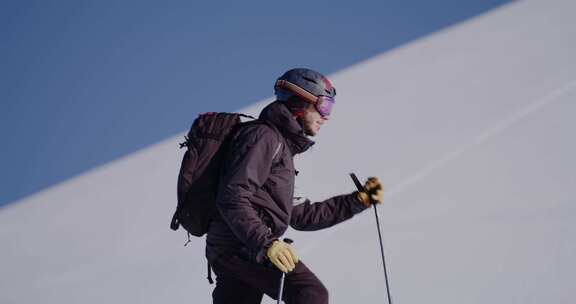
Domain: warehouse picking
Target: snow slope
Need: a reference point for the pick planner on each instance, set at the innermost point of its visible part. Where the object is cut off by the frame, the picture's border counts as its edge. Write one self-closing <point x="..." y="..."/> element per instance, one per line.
<point x="469" y="129"/>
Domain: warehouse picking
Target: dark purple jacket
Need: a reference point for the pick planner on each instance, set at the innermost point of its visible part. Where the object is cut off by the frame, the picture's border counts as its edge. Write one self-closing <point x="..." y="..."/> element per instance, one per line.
<point x="256" y="187"/>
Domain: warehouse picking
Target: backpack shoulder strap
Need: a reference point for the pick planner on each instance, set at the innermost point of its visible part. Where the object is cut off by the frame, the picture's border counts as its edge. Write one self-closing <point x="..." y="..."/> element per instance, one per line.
<point x="279" y="148"/>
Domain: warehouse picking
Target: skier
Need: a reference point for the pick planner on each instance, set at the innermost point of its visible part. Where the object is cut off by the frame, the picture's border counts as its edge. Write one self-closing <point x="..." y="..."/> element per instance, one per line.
<point x="255" y="198"/>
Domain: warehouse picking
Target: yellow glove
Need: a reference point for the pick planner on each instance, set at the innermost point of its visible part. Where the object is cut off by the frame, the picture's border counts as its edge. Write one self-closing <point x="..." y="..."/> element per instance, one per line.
<point x="373" y="189"/>
<point x="282" y="256"/>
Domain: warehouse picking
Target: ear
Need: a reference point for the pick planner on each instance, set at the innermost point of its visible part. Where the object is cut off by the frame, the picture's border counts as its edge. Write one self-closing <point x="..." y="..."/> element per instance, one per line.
<point x="298" y="114"/>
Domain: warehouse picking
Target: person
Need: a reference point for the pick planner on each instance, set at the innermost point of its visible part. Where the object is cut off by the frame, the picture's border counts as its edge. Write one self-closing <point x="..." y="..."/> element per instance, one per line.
<point x="244" y="245"/>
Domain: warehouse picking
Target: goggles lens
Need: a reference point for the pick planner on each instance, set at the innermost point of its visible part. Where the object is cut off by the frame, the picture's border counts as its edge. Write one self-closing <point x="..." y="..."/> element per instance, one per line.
<point x="324" y="105"/>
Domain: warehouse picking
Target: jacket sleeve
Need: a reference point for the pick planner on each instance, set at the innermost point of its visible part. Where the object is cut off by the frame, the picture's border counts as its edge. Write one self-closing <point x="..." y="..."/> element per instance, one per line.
<point x="316" y="216"/>
<point x="245" y="169"/>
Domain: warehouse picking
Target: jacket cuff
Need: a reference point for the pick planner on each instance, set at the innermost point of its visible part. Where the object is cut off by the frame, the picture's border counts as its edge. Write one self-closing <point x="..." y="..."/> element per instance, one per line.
<point x="261" y="254"/>
<point x="357" y="205"/>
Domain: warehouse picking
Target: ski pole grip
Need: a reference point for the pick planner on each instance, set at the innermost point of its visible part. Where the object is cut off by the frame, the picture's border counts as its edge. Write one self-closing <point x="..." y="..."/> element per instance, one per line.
<point x="357" y="182"/>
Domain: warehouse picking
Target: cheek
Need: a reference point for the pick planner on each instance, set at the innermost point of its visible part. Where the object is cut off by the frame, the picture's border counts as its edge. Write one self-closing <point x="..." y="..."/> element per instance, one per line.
<point x="315" y="116"/>
<point x="309" y="119"/>
<point x="313" y="121"/>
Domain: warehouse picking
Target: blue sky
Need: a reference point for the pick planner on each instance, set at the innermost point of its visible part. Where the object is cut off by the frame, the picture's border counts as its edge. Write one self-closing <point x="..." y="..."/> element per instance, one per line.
<point x="85" y="82"/>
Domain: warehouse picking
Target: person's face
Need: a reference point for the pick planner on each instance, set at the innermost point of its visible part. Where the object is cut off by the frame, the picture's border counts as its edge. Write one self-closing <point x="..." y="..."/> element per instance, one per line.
<point x="312" y="121"/>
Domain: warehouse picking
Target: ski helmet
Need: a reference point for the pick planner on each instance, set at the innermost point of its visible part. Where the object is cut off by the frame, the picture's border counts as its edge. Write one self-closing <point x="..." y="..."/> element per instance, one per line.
<point x="309" y="85"/>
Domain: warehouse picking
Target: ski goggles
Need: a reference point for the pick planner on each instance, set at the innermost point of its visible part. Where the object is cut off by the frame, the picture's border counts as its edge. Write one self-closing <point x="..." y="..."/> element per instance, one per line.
<point x="323" y="104"/>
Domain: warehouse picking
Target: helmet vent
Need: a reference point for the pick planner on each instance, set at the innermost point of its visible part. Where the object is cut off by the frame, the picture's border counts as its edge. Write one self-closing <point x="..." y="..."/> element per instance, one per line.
<point x="310" y="79"/>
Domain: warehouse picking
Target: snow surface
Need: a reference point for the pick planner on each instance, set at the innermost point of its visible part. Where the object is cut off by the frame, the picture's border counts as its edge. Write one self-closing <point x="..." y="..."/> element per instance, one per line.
<point x="469" y="128"/>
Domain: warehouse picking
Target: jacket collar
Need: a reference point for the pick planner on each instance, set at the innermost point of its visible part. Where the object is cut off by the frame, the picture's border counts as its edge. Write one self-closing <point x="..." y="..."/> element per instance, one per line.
<point x="279" y="115"/>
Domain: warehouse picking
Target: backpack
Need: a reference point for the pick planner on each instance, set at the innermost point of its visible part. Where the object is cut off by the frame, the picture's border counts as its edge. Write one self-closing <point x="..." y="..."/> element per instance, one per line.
<point x="206" y="142"/>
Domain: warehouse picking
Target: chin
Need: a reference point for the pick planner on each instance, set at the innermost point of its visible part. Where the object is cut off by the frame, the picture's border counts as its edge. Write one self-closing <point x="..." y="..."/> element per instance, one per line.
<point x="313" y="133"/>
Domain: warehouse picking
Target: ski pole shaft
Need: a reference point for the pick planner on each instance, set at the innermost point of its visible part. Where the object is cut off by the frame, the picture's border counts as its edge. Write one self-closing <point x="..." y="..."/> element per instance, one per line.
<point x="282" y="278"/>
<point x="361" y="188"/>
<point x="382" y="252"/>
<point x="281" y="291"/>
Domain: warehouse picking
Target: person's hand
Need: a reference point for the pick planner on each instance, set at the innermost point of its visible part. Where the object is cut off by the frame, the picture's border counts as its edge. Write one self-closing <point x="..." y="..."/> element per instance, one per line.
<point x="282" y="256"/>
<point x="373" y="191"/>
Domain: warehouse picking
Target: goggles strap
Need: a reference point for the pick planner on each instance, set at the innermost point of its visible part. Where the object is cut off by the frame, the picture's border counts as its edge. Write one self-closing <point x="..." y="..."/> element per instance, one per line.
<point x="283" y="84"/>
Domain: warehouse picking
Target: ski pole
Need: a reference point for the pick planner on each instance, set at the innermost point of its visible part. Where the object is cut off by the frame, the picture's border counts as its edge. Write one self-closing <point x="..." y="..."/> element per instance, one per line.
<point x="361" y="188"/>
<point x="281" y="289"/>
